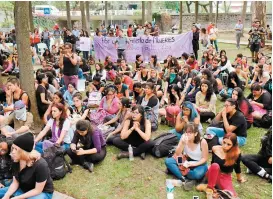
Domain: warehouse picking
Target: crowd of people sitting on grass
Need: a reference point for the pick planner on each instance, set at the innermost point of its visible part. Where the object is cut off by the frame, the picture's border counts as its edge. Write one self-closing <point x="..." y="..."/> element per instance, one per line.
<point x="123" y="105"/>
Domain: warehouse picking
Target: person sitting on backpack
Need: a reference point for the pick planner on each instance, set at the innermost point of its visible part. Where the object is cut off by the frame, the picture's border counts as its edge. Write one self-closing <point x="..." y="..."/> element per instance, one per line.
<point x="195" y="162"/>
<point x="188" y="114"/>
<point x="261" y="163"/>
<point x="137" y="133"/>
<point x="260" y="101"/>
<point x="206" y="101"/>
<point x="93" y="146"/>
<point x="225" y="158"/>
<point x="31" y="175"/>
<point x="233" y="121"/>
<point x="244" y="105"/>
<point x="59" y="126"/>
<point x="118" y="121"/>
<point x="20" y="118"/>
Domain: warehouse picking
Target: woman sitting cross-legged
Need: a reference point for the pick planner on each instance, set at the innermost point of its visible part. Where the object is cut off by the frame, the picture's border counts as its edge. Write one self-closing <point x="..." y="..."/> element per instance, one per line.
<point x="59" y="126"/>
<point x="233" y="120"/>
<point x="137" y="133"/>
<point x="206" y="101"/>
<point x="225" y="158"/>
<point x="188" y="114"/>
<point x="195" y="152"/>
<point x="93" y="148"/>
<point x="31" y="175"/>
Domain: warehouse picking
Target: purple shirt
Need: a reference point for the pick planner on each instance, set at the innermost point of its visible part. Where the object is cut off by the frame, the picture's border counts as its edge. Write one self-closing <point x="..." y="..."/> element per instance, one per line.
<point x="90" y="141"/>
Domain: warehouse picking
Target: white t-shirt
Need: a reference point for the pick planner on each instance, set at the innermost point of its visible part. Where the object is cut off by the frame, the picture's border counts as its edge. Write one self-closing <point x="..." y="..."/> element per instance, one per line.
<point x="66" y="127"/>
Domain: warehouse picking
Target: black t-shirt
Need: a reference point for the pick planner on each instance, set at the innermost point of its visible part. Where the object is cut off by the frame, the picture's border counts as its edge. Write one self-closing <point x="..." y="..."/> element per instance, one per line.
<point x="238" y="120"/>
<point x="264" y="99"/>
<point x="134" y="138"/>
<point x="69" y="69"/>
<point x="184" y="79"/>
<point x="157" y="82"/>
<point x="41" y="106"/>
<point x="38" y="172"/>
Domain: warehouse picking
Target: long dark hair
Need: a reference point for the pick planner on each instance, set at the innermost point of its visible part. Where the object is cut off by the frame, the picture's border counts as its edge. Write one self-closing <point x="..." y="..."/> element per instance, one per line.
<point x="234" y="102"/>
<point x="60" y="95"/>
<point x="242" y="98"/>
<point x="172" y="97"/>
<point x="84" y="125"/>
<point x="225" y="62"/>
<point x="197" y="81"/>
<point x="63" y="116"/>
<point x="155" y="60"/>
<point x="236" y="79"/>
<point x="209" y="91"/>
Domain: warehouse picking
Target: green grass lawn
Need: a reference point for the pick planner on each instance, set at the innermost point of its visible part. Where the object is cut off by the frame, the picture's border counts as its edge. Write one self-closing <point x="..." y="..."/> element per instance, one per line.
<point x="146" y="178"/>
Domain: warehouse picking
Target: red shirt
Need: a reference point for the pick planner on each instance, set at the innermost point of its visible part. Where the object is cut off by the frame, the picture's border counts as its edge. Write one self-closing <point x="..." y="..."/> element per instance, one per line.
<point x="208" y="28"/>
<point x="129" y="82"/>
<point x="192" y="65"/>
<point x="130" y="32"/>
<point x="244" y="109"/>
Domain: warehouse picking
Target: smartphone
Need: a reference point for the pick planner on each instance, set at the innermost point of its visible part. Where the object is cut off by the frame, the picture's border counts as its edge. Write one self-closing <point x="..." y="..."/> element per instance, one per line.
<point x="179" y="160"/>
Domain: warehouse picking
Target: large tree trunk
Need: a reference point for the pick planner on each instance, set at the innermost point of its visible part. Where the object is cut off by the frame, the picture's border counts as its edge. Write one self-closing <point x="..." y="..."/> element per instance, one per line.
<point x="149" y="11"/>
<point x="83" y="17"/>
<point x="259" y="12"/>
<point x="87" y="7"/>
<point x="180" y="16"/>
<point x="31" y="25"/>
<point x="196" y="12"/>
<point x="210" y="11"/>
<point x="143" y="12"/>
<point x="69" y="24"/>
<point x="188" y="3"/>
<point x="106" y="14"/>
<point x="21" y="10"/>
<point x="217" y="11"/>
<point x="243" y="17"/>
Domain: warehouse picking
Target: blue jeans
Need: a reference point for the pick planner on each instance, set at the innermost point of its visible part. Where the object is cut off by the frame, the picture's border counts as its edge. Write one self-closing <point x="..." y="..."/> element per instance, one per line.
<point x="39" y="147"/>
<point x="196" y="173"/>
<point x="215" y="44"/>
<point x="220" y="133"/>
<point x="47" y="42"/>
<point x="80" y="74"/>
<point x="20" y="192"/>
<point x="85" y="54"/>
<point x="178" y="134"/>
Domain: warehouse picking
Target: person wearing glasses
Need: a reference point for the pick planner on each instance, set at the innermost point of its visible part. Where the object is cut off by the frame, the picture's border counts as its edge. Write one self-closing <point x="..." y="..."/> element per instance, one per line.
<point x="233" y="122"/>
<point x="68" y="63"/>
<point x="137" y="133"/>
<point x="225" y="158"/>
<point x="195" y="160"/>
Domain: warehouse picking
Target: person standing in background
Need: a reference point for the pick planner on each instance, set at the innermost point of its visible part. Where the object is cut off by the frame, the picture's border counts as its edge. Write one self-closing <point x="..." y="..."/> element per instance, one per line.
<point x="130" y="31"/>
<point x="238" y="31"/>
<point x="121" y="45"/>
<point x="46" y="38"/>
<point x="57" y="37"/>
<point x="195" y="39"/>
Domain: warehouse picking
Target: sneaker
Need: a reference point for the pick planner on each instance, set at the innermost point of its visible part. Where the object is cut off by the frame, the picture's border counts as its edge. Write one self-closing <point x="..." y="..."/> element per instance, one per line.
<point x="123" y="155"/>
<point x="189" y="184"/>
<point x="142" y="156"/>
<point x="89" y="166"/>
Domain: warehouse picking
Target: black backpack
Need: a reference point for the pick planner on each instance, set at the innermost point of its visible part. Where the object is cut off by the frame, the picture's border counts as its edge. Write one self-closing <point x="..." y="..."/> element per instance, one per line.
<point x="265" y="122"/>
<point x="266" y="142"/>
<point x="164" y="144"/>
<point x="57" y="164"/>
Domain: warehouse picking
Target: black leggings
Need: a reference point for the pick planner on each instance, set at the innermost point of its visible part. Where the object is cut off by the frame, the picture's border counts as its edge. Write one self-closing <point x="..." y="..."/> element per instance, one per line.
<point x="254" y="162"/>
<point x="204" y="116"/>
<point x="142" y="148"/>
<point x="93" y="158"/>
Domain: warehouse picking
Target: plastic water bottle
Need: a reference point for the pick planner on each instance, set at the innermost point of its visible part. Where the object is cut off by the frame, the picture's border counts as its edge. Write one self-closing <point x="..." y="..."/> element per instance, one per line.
<point x="131" y="155"/>
<point x="169" y="189"/>
<point x="176" y="183"/>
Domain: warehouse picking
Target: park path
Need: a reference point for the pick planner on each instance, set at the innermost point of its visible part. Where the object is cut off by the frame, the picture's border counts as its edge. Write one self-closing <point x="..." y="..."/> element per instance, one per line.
<point x="58" y="195"/>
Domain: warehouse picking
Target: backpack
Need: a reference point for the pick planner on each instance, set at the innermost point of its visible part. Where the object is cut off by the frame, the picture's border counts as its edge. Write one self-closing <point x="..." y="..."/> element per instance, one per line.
<point x="150" y="115"/>
<point x="212" y="141"/>
<point x="164" y="144"/>
<point x="266" y="142"/>
<point x="265" y="122"/>
<point x="57" y="164"/>
<point x="223" y="194"/>
<point x="172" y="112"/>
<point x="94" y="99"/>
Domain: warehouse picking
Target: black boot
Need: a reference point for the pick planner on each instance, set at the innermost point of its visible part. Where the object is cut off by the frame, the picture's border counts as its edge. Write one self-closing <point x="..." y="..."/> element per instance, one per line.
<point x="123" y="155"/>
<point x="89" y="166"/>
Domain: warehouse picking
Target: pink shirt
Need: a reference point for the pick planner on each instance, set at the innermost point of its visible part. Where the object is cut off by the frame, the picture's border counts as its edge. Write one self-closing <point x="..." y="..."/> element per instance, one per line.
<point x="113" y="108"/>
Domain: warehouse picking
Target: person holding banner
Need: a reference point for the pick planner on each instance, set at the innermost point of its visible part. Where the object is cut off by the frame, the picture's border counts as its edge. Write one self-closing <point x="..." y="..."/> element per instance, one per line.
<point x="121" y="44"/>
